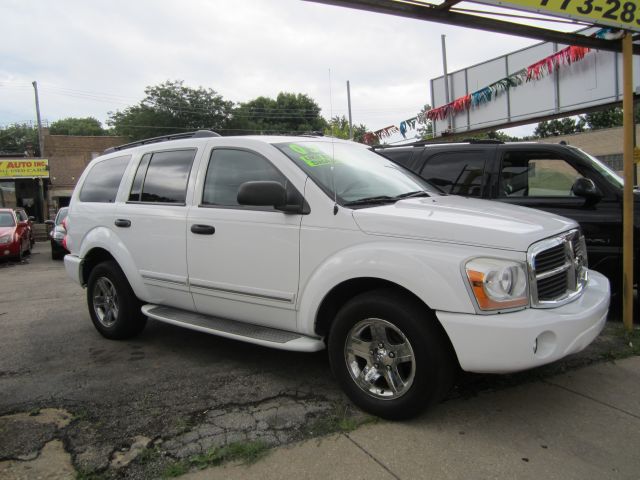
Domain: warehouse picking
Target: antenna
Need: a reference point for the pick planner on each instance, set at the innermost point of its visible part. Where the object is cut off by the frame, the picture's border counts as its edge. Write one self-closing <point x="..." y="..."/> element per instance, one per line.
<point x="333" y="150"/>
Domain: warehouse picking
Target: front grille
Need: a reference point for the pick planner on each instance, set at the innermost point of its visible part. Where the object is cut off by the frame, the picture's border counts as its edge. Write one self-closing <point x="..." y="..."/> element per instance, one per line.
<point x="558" y="269"/>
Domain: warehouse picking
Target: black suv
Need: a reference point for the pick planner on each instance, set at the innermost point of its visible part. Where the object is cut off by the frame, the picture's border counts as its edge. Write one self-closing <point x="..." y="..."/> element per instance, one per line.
<point x="557" y="178"/>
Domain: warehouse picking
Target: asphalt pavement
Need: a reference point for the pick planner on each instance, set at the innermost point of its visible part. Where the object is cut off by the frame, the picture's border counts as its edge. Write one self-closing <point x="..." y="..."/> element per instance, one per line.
<point x="72" y="402"/>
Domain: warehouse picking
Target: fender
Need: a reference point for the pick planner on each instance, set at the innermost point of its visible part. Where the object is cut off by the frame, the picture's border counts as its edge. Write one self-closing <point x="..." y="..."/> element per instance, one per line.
<point x="439" y="284"/>
<point x="105" y="238"/>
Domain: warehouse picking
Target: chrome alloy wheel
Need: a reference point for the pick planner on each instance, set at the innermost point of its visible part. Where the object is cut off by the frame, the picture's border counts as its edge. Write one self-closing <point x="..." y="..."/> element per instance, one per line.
<point x="380" y="358"/>
<point x="105" y="302"/>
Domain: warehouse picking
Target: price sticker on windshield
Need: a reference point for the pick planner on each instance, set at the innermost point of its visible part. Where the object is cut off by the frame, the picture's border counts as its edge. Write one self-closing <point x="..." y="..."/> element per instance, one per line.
<point x="623" y="14"/>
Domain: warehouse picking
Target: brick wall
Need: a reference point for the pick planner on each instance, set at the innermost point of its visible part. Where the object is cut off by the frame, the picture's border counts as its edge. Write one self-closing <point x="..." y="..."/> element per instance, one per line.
<point x="69" y="155"/>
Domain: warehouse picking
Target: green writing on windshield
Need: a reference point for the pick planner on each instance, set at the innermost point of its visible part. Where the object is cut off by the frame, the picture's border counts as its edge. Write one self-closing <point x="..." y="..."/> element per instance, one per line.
<point x="312" y="156"/>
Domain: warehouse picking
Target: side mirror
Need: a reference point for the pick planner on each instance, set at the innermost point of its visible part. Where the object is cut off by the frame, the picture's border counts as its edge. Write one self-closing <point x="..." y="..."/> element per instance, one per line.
<point x="262" y="193"/>
<point x="49" y="222"/>
<point x="268" y="193"/>
<point x="584" y="187"/>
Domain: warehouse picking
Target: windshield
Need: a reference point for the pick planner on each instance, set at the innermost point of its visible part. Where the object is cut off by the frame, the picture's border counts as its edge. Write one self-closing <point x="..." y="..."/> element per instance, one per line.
<point x="606" y="172"/>
<point x="355" y="174"/>
<point x="7" y="220"/>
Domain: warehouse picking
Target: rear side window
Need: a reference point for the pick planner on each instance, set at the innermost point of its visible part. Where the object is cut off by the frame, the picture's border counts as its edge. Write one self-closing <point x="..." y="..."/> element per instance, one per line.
<point x="103" y="180"/>
<point x="459" y="173"/>
<point x="162" y="177"/>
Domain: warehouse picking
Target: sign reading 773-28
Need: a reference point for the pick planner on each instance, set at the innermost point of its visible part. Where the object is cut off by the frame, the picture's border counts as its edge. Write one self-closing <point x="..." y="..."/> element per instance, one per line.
<point x="616" y="13"/>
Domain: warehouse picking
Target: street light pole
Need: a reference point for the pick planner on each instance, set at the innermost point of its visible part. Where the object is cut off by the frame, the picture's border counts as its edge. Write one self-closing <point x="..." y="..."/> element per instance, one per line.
<point x="627" y="196"/>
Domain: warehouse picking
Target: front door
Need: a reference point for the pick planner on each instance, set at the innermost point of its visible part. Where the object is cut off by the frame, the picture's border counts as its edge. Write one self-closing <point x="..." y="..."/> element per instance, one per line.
<point x="243" y="260"/>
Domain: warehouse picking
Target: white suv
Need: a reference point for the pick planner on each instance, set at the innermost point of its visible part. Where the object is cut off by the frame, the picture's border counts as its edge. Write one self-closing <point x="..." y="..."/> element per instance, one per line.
<point x="299" y="243"/>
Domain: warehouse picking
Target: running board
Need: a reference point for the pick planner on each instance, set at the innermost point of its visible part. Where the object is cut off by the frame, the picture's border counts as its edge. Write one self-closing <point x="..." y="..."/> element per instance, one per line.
<point x="246" y="332"/>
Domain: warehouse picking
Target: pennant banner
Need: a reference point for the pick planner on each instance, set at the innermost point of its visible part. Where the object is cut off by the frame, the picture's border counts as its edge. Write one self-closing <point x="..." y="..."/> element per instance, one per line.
<point x="536" y="71"/>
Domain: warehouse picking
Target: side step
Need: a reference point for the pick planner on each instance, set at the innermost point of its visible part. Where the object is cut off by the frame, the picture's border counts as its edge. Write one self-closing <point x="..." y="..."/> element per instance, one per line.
<point x="246" y="332"/>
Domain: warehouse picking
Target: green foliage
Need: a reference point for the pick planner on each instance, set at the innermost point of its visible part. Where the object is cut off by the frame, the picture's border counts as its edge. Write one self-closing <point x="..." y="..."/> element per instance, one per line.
<point x="611" y="117"/>
<point x="87" y="126"/>
<point x="425" y="130"/>
<point x="247" y="452"/>
<point x="18" y="138"/>
<point x="289" y="113"/>
<point x="339" y="127"/>
<point x="563" y="126"/>
<point x="169" y="108"/>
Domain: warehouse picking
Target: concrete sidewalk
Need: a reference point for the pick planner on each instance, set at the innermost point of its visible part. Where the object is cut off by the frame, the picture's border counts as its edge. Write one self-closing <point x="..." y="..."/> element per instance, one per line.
<point x="581" y="425"/>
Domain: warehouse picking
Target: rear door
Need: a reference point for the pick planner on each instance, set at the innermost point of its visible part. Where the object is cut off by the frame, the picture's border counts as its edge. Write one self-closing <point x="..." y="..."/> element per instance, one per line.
<point x="459" y="171"/>
<point x="152" y="224"/>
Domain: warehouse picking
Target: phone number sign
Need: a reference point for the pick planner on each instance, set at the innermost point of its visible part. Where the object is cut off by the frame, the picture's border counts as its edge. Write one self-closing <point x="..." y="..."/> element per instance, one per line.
<point x="616" y="13"/>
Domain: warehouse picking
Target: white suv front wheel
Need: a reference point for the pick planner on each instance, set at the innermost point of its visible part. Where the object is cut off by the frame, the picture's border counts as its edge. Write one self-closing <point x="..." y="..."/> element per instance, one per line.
<point x="389" y="354"/>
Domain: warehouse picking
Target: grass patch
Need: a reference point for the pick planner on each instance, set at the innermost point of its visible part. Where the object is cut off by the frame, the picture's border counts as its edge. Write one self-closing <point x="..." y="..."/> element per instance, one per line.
<point x="338" y="420"/>
<point x="148" y="455"/>
<point x="245" y="452"/>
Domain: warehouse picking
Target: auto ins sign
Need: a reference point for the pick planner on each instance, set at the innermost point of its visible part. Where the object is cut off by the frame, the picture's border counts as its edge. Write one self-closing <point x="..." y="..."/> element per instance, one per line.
<point x="24" y="168"/>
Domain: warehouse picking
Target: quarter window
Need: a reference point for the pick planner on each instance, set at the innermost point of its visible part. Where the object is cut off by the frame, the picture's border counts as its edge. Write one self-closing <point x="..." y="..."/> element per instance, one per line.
<point x="103" y="180"/>
<point x="228" y="169"/>
<point x="162" y="177"/>
<point x="460" y="173"/>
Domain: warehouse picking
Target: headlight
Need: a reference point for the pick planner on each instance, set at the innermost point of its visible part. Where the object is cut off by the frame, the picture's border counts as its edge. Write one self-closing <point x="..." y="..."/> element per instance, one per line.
<point x="5" y="238"/>
<point x="498" y="284"/>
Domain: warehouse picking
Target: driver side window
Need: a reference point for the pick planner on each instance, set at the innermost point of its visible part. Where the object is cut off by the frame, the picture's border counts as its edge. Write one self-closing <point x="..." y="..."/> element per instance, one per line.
<point x="228" y="169"/>
<point x="530" y="175"/>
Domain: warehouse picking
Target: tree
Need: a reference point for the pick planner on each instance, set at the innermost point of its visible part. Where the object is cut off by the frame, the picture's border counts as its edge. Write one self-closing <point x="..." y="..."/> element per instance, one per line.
<point x="563" y="126"/>
<point x="288" y="113"/>
<point x="425" y="130"/>
<point x="19" y="138"/>
<point x="172" y="108"/>
<point x="339" y="127"/>
<point x="611" y="117"/>
<point x="87" y="126"/>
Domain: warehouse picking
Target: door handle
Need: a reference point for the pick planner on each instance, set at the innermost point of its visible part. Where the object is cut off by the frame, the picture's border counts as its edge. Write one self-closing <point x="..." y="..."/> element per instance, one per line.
<point x="203" y="229"/>
<point x="122" y="222"/>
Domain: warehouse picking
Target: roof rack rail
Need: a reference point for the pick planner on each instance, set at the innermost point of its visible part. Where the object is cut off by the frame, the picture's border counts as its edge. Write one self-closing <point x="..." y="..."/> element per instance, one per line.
<point x="490" y="141"/>
<point x="163" y="138"/>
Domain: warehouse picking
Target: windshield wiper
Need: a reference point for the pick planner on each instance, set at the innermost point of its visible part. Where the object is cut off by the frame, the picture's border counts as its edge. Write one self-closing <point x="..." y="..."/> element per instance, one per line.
<point x="372" y="200"/>
<point x="381" y="199"/>
<point x="417" y="193"/>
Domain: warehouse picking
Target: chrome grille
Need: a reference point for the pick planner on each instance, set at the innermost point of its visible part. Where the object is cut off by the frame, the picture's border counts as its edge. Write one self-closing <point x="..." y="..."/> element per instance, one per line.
<point x="558" y="269"/>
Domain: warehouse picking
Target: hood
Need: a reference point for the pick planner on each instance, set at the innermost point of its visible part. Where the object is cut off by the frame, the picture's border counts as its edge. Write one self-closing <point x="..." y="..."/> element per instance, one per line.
<point x="5" y="230"/>
<point x="462" y="220"/>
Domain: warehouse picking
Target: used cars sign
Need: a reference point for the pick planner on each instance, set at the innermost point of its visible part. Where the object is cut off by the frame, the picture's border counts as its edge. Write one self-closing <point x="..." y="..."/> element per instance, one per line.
<point x="24" y="168"/>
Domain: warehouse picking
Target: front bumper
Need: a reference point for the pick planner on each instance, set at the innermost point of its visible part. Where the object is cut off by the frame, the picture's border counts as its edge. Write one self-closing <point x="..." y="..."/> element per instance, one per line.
<point x="510" y="342"/>
<point x="9" y="249"/>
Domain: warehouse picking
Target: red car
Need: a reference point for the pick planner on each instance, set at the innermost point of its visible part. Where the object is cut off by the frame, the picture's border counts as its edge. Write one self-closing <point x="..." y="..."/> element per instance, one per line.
<point x="15" y="235"/>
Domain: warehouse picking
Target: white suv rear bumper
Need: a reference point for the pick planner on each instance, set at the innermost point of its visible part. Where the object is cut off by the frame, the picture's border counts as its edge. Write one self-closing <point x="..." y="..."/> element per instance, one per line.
<point x="73" y="266"/>
<point x="528" y="338"/>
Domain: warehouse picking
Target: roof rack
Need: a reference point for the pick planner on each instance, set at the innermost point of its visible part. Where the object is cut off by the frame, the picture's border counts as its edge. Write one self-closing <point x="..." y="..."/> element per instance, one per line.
<point x="163" y="138"/>
<point x="422" y="143"/>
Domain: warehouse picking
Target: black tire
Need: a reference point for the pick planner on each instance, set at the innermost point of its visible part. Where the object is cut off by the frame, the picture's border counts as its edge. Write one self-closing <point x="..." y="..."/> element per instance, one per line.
<point x="428" y="376"/>
<point x="118" y="315"/>
<point x="20" y="257"/>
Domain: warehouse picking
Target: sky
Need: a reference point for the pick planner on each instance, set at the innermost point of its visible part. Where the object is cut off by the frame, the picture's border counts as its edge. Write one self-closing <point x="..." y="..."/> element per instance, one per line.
<point x="94" y="57"/>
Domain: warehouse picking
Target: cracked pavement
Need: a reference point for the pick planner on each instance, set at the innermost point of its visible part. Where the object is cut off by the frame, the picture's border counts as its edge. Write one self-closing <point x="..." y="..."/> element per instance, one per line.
<point x="128" y="409"/>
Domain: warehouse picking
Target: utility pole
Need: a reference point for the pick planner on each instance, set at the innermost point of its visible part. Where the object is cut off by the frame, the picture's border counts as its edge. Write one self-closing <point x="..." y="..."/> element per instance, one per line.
<point x="40" y="210"/>
<point x="627" y="200"/>
<point x="446" y="77"/>
<point x="40" y="138"/>
<point x="349" y="105"/>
